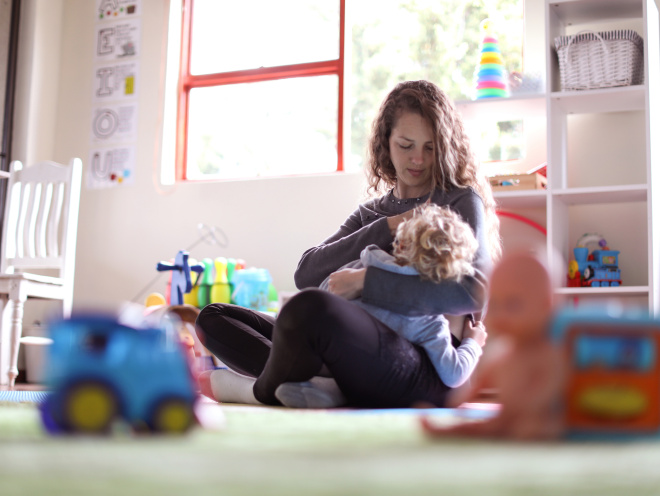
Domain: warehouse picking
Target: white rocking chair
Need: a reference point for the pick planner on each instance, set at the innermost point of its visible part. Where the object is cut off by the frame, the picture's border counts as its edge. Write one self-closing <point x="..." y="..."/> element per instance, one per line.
<point x="39" y="232"/>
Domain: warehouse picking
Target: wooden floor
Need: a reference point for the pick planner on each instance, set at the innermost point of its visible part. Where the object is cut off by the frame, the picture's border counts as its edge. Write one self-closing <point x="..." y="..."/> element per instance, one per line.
<point x="21" y="386"/>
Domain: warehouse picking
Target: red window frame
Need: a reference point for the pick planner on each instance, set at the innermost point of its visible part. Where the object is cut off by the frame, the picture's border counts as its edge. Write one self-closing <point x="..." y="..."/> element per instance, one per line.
<point x="188" y="81"/>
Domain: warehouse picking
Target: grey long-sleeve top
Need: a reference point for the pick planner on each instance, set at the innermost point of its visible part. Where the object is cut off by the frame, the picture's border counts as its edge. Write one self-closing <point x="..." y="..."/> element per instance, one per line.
<point x="405" y="294"/>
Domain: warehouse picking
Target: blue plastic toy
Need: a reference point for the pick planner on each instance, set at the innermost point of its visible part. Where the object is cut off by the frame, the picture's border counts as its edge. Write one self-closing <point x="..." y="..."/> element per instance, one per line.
<point x="600" y="268"/>
<point x="252" y="287"/>
<point x="100" y="370"/>
<point x="613" y="376"/>
<point x="181" y="280"/>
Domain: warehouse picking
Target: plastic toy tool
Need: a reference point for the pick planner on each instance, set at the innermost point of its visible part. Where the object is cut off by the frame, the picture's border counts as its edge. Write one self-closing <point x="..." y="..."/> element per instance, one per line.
<point x="181" y="280"/>
<point x="613" y="376"/>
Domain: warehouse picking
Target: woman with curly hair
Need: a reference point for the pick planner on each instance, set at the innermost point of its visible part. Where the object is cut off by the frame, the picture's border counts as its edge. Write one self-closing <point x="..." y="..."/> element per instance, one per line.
<point x="418" y="152"/>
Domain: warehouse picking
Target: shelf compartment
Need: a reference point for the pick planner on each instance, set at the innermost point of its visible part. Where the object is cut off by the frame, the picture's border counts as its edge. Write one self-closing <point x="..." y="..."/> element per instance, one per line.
<point x="604" y="194"/>
<point x="609" y="291"/>
<point x="571" y="12"/>
<point x="521" y="199"/>
<point x="620" y="99"/>
<point x="623" y="225"/>
<point x="514" y="107"/>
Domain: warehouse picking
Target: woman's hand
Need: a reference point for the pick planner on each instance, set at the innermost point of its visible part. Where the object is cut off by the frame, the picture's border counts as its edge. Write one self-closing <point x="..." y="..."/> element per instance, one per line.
<point x="394" y="221"/>
<point x="476" y="331"/>
<point x="347" y="283"/>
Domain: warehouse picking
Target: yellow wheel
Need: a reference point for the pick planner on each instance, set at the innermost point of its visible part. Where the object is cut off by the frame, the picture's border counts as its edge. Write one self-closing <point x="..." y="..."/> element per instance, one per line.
<point x="572" y="268"/>
<point x="173" y="416"/>
<point x="90" y="407"/>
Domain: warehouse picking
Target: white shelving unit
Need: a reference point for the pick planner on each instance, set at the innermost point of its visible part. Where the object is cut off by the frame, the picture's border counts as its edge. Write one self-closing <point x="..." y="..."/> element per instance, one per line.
<point x="564" y="201"/>
<point x="566" y="17"/>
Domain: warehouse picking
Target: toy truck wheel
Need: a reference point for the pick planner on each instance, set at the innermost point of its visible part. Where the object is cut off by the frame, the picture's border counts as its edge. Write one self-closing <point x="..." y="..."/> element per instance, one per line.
<point x="48" y="421"/>
<point x="173" y="416"/>
<point x="89" y="407"/>
<point x="588" y="273"/>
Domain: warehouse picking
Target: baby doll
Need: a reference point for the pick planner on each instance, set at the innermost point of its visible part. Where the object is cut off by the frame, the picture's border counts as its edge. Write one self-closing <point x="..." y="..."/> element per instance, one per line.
<point x="436" y="245"/>
<point x="527" y="369"/>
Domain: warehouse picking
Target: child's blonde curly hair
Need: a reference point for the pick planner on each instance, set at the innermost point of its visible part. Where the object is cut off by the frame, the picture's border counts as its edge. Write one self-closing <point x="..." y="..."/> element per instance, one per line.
<point x="437" y="243"/>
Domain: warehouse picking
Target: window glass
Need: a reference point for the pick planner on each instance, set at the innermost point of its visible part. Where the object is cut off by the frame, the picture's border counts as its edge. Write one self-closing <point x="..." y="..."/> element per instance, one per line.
<point x="422" y="39"/>
<point x="270" y="128"/>
<point x="500" y="141"/>
<point x="230" y="35"/>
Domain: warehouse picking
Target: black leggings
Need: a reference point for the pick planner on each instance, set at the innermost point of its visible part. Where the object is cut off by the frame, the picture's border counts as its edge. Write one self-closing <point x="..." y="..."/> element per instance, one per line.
<point x="317" y="332"/>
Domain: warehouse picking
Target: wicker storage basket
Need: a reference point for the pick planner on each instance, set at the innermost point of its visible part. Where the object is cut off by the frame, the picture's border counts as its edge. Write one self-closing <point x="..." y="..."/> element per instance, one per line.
<point x="589" y="60"/>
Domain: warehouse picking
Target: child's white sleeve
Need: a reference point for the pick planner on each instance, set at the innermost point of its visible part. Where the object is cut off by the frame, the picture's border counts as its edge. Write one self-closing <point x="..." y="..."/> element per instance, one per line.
<point x="454" y="365"/>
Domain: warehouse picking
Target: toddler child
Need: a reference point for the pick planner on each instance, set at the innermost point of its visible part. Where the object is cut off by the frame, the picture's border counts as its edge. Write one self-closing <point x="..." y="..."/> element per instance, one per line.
<point x="436" y="245"/>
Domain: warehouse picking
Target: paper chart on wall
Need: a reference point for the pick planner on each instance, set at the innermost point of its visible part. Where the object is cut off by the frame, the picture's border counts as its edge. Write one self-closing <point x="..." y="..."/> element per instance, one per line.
<point x="111" y="166"/>
<point x="117" y="41"/>
<point x="117" y="82"/>
<point x="117" y="9"/>
<point x="114" y="122"/>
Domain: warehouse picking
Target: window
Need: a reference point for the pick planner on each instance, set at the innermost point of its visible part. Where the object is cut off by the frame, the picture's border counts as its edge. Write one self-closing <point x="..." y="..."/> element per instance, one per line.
<point x="261" y="97"/>
<point x="421" y="39"/>
<point x="265" y="97"/>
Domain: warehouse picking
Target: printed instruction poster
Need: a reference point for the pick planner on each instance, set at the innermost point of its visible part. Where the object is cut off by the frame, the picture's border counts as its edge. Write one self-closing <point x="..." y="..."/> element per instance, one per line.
<point x="111" y="166"/>
<point x="113" y="123"/>
<point x="116" y="82"/>
<point x="117" y="9"/>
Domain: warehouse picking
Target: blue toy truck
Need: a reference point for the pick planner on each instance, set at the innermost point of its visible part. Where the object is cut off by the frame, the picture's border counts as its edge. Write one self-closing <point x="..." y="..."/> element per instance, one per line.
<point x="101" y="371"/>
<point x="600" y="268"/>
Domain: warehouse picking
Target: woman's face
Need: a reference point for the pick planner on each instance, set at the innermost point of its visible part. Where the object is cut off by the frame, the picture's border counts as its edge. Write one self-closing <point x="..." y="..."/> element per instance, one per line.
<point x="413" y="155"/>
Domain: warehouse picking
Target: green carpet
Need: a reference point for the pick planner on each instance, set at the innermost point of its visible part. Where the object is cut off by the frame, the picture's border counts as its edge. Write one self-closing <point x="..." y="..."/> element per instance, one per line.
<point x="266" y="451"/>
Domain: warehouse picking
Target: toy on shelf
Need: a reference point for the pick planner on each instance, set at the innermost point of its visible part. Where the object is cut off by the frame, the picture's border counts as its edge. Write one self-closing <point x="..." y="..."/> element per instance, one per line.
<point x="100" y="371"/>
<point x="600" y="268"/>
<point x="613" y="372"/>
<point x="535" y="178"/>
<point x="181" y="281"/>
<point x="490" y="75"/>
<point x="525" y="84"/>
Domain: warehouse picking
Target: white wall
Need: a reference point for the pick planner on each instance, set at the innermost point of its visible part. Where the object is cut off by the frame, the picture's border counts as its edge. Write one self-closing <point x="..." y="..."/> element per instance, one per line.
<point x="124" y="232"/>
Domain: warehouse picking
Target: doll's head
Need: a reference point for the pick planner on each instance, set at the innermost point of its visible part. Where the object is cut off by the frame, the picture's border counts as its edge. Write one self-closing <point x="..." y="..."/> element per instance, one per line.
<point x="437" y="243"/>
<point x="520" y="302"/>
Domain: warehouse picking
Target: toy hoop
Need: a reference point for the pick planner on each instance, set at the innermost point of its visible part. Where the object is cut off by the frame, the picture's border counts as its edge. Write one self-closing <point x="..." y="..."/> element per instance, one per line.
<point x="524" y="220"/>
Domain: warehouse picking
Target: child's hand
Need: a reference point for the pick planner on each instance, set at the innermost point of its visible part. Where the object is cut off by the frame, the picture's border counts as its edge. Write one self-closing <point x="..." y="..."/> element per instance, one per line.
<point x="347" y="283"/>
<point x="476" y="331"/>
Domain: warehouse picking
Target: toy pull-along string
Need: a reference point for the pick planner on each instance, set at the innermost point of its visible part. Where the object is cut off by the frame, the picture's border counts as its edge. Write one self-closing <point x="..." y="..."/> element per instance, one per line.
<point x="211" y="235"/>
